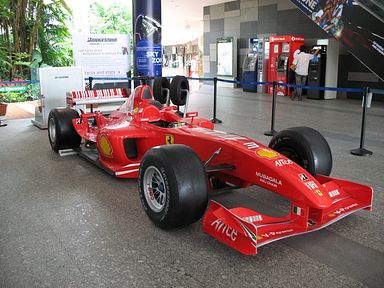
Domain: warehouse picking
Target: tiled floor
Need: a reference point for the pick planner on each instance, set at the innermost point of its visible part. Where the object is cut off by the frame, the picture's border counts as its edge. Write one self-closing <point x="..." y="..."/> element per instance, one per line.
<point x="66" y="223"/>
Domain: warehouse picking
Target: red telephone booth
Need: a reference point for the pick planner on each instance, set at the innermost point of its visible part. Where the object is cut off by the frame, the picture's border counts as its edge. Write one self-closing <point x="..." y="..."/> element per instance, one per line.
<point x="282" y="50"/>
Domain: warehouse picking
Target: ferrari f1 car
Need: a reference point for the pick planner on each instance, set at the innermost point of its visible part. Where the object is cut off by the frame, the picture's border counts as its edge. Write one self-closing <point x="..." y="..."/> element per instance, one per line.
<point x="180" y="159"/>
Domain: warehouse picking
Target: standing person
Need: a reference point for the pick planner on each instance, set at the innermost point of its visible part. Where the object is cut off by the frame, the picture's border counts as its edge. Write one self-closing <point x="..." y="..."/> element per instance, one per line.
<point x="300" y="66"/>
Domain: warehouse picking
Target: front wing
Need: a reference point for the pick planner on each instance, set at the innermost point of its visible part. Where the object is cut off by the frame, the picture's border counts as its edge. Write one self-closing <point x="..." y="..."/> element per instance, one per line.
<point x="245" y="230"/>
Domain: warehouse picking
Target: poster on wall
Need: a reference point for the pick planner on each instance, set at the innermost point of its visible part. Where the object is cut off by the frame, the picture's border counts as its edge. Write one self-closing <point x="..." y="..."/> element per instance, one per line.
<point x="357" y="29"/>
<point x="225" y="55"/>
<point x="102" y="55"/>
<point x="147" y="38"/>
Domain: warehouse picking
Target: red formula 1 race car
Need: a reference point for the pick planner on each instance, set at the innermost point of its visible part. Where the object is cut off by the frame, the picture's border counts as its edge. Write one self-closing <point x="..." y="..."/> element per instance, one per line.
<point x="181" y="159"/>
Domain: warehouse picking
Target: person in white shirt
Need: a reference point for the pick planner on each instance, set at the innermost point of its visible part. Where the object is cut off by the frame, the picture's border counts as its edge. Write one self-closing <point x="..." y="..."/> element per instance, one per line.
<point x="300" y="66"/>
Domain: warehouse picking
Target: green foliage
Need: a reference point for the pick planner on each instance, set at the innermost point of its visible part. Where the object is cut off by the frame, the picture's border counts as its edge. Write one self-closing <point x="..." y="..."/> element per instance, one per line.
<point x="11" y="97"/>
<point x="54" y="43"/>
<point x="31" y="27"/>
<point x="115" y="18"/>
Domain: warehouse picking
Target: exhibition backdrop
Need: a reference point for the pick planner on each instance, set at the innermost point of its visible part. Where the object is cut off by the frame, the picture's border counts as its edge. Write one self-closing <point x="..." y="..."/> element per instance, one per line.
<point x="102" y="55"/>
<point x="358" y="30"/>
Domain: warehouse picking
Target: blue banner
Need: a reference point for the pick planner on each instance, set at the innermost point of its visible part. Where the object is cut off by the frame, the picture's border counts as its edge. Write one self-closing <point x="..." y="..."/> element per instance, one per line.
<point x="147" y="38"/>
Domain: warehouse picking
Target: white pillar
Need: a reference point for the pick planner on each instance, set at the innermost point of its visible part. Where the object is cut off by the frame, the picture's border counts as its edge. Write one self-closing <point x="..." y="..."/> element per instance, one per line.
<point x="332" y="68"/>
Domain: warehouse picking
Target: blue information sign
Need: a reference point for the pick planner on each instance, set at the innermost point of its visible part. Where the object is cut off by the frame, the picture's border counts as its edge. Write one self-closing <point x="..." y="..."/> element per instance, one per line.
<point x="147" y="38"/>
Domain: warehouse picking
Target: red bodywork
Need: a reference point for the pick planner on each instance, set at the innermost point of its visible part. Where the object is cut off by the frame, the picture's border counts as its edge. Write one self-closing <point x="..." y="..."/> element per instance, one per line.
<point x="315" y="201"/>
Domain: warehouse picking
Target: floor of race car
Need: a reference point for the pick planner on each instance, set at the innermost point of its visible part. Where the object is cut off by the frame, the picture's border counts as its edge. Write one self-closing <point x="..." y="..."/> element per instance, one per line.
<point x="66" y="223"/>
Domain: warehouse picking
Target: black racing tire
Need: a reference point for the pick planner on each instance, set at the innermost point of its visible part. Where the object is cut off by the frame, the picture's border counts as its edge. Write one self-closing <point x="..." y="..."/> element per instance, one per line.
<point x="159" y="86"/>
<point x="305" y="146"/>
<point x="61" y="133"/>
<point x="173" y="186"/>
<point x="178" y="94"/>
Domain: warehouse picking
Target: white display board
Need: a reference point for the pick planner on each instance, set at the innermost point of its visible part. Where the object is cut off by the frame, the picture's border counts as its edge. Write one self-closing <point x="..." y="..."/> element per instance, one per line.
<point x="102" y="55"/>
<point x="55" y="82"/>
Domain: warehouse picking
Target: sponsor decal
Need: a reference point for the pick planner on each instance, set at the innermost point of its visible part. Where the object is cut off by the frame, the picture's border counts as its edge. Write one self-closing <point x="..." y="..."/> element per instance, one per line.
<point x="255" y="218"/>
<point x="79" y="121"/>
<point x="298" y="211"/>
<point x="303" y="177"/>
<point x="219" y="134"/>
<point x="311" y="185"/>
<point x="333" y="193"/>
<point x="267" y="153"/>
<point x="251" y="145"/>
<point x="276" y="233"/>
<point x="283" y="162"/>
<point x="345" y="209"/>
<point x="224" y="229"/>
<point x="318" y="192"/>
<point x="105" y="146"/>
<point x="342" y="210"/>
<point x="169" y="139"/>
<point x="268" y="179"/>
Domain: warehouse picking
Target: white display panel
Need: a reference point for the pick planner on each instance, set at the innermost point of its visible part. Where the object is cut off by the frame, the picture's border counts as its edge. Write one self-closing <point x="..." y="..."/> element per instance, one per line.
<point x="55" y="82"/>
<point x="225" y="56"/>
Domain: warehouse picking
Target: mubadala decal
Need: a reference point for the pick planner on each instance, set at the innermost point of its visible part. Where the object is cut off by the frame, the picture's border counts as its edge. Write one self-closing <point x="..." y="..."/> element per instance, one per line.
<point x="268" y="179"/>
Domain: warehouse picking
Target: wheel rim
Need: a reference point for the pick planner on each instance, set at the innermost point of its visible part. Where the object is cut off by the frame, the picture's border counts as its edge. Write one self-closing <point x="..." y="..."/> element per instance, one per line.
<point x="52" y="130"/>
<point x="154" y="189"/>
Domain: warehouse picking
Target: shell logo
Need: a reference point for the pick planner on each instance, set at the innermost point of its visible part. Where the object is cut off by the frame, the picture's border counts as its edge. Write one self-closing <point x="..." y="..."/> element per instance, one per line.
<point x="266" y="153"/>
<point x="105" y="146"/>
<point x="331" y="215"/>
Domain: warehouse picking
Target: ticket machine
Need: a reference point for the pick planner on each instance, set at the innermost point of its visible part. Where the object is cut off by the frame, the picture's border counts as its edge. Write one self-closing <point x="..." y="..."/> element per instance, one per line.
<point x="281" y="54"/>
<point x="316" y="72"/>
<point x="250" y="66"/>
<point x="249" y="73"/>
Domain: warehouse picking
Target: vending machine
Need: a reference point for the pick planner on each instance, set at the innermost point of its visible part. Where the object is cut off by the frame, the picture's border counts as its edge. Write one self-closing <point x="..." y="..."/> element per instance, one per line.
<point x="262" y="64"/>
<point x="316" y="72"/>
<point x="281" y="54"/>
<point x="250" y="66"/>
<point x="249" y="73"/>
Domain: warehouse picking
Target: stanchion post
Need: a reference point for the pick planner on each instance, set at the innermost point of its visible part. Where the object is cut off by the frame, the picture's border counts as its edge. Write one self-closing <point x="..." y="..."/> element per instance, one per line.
<point x="272" y="131"/>
<point x="90" y="79"/>
<point x="214" y="119"/>
<point x="361" y="151"/>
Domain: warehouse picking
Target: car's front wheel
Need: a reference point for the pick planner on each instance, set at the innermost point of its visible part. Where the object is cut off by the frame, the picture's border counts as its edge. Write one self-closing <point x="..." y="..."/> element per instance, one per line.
<point x="173" y="186"/>
<point x="305" y="146"/>
<point x="61" y="133"/>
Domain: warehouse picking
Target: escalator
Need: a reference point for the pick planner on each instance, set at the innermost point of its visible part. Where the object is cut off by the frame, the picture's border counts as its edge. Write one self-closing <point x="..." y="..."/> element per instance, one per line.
<point x="357" y="25"/>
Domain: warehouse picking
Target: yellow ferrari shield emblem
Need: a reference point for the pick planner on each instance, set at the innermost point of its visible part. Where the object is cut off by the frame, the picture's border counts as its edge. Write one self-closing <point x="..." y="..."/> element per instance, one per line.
<point x="169" y="139"/>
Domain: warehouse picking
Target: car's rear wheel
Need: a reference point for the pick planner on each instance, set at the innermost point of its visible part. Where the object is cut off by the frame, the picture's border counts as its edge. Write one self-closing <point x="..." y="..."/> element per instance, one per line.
<point x="61" y="133"/>
<point x="160" y="87"/>
<point x="173" y="186"/>
<point x="179" y="90"/>
<point x="305" y="146"/>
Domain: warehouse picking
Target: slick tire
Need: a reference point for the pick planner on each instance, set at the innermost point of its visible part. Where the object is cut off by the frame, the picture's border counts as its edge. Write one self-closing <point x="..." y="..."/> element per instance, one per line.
<point x="159" y="89"/>
<point x="179" y="86"/>
<point x="173" y="186"/>
<point x="305" y="146"/>
<point x="61" y="133"/>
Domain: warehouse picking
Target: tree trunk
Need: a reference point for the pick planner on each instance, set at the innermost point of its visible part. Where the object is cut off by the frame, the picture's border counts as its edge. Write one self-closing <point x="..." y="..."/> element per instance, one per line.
<point x="32" y="43"/>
